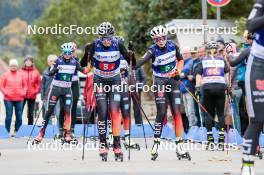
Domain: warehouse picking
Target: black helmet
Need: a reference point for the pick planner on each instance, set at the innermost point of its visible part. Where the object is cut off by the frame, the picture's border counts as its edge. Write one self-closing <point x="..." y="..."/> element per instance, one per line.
<point x="251" y="36"/>
<point x="106" y="29"/>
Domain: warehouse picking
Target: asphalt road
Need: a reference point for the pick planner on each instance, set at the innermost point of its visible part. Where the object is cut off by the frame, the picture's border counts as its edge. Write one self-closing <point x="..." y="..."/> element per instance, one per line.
<point x="52" y="158"/>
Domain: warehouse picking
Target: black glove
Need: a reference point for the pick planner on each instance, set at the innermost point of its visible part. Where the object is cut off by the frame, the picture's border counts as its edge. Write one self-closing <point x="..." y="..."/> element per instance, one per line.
<point x="131" y="46"/>
<point x="177" y="77"/>
<point x="198" y="91"/>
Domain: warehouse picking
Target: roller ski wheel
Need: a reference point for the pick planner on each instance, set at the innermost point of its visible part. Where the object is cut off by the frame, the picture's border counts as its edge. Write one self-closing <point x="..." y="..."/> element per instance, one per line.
<point x="184" y="156"/>
<point x="221" y="147"/>
<point x="136" y="146"/>
<point x="58" y="137"/>
<point x="118" y="154"/>
<point x="210" y="146"/>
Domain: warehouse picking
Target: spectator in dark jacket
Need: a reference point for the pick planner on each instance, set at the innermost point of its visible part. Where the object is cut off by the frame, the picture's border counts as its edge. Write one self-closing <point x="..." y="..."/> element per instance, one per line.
<point x="13" y="87"/>
<point x="33" y="79"/>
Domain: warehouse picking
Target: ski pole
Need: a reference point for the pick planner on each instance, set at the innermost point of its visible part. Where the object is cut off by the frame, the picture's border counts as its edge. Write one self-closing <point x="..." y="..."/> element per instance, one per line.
<point x="204" y="109"/>
<point x="35" y="123"/>
<point x="130" y="76"/>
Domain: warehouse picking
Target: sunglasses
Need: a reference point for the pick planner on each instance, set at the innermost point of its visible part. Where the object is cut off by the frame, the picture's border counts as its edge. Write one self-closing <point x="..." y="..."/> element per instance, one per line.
<point x="67" y="53"/>
<point x="106" y="38"/>
<point x="162" y="38"/>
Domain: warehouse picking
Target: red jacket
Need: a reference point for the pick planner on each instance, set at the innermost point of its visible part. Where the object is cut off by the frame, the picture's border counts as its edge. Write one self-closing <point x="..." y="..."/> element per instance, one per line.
<point x="33" y="81"/>
<point x="13" y="86"/>
<point x="88" y="94"/>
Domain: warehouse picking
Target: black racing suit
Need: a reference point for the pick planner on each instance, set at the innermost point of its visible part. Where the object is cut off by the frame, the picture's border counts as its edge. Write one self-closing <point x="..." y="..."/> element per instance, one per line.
<point x="61" y="89"/>
<point x="75" y="88"/>
<point x="255" y="80"/>
<point x="100" y="57"/>
<point x="213" y="92"/>
<point x="166" y="90"/>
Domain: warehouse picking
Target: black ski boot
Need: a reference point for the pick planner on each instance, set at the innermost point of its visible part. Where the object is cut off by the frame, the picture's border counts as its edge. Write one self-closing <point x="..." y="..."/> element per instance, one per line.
<point x="247" y="165"/>
<point x="181" y="154"/>
<point x="103" y="151"/>
<point x="133" y="144"/>
<point x="117" y="149"/>
<point x="40" y="136"/>
<point x="210" y="145"/>
<point x="59" y="135"/>
<point x="155" y="149"/>
<point x="221" y="140"/>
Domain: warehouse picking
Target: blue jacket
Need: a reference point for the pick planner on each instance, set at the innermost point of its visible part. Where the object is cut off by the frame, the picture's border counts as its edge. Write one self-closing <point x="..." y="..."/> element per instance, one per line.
<point x="186" y="70"/>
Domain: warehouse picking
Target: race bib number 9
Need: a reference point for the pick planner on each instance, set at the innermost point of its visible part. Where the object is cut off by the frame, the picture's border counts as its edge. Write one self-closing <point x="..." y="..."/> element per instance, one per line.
<point x="213" y="72"/>
<point x="107" y="66"/>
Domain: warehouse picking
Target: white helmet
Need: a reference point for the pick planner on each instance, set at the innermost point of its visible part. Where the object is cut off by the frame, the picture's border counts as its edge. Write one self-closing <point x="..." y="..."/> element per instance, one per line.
<point x="158" y="31"/>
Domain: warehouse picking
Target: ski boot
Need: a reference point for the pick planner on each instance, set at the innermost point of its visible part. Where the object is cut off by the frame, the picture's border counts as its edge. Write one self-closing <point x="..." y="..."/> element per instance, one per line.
<point x="181" y="154"/>
<point x="259" y="154"/>
<point x="103" y="151"/>
<point x="221" y="140"/>
<point x="67" y="138"/>
<point x="210" y="146"/>
<point x="59" y="135"/>
<point x="155" y="149"/>
<point x="117" y="149"/>
<point x="110" y="139"/>
<point x="133" y="144"/>
<point x="40" y="136"/>
<point x="247" y="166"/>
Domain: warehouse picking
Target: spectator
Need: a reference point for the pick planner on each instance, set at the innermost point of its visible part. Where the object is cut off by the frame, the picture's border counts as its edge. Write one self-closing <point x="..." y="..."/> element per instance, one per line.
<point x="187" y="98"/>
<point x="13" y="87"/>
<point x="197" y="56"/>
<point x="32" y="78"/>
<point x="45" y="86"/>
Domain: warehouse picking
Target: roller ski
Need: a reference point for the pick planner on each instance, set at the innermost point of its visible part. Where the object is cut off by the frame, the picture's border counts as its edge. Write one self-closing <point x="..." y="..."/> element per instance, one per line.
<point x="210" y="145"/>
<point x="221" y="140"/>
<point x="155" y="149"/>
<point x="103" y="151"/>
<point x="68" y="139"/>
<point x="181" y="154"/>
<point x="133" y="144"/>
<point x="40" y="137"/>
<point x="247" y="166"/>
<point x="117" y="149"/>
<point x="59" y="136"/>
<point x="118" y="154"/>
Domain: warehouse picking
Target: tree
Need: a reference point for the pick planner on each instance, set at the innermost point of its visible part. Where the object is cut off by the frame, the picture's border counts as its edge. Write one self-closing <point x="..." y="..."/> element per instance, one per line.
<point x="81" y="13"/>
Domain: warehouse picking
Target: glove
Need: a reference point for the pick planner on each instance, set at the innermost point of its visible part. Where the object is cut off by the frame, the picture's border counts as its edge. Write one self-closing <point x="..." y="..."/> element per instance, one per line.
<point x="131" y="46"/>
<point x="177" y="77"/>
<point x="198" y="91"/>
